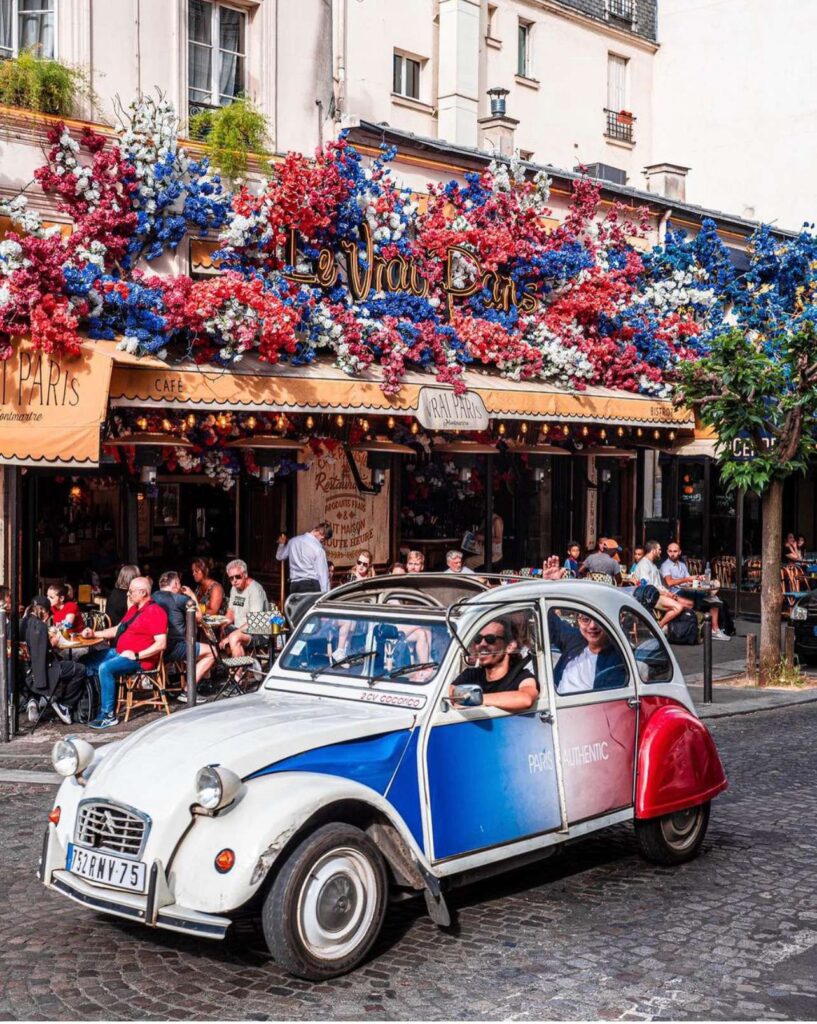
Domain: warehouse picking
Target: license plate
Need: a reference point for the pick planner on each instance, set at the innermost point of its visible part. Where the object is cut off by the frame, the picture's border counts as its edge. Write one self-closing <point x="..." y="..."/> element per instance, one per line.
<point x="102" y="867"/>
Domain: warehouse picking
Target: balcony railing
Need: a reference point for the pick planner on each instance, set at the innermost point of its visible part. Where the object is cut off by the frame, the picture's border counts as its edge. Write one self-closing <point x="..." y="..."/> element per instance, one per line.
<point x="623" y="10"/>
<point x="620" y="125"/>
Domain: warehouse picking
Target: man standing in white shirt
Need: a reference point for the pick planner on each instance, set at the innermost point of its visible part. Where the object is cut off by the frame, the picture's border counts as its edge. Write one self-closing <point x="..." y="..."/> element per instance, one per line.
<point x="308" y="566"/>
<point x="647" y="570"/>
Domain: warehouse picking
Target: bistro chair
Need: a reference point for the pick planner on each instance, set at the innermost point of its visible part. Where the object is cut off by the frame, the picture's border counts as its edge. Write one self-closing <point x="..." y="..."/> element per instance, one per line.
<point x="96" y="619"/>
<point x="752" y="572"/>
<point x="794" y="584"/>
<point x="694" y="565"/>
<point x="601" y="577"/>
<point x="143" y="688"/>
<point x="259" y="627"/>
<point x="236" y="669"/>
<point x="724" y="568"/>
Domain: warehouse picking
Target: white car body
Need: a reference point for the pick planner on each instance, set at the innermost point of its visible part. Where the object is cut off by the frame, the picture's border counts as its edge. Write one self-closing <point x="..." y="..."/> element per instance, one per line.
<point x="304" y="746"/>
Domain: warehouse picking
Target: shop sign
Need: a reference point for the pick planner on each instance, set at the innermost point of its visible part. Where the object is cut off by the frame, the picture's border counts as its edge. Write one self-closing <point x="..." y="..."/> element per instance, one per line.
<point x="442" y="409"/>
<point x="366" y="272"/>
<point x="591" y="505"/>
<point x="51" y="409"/>
<point x="743" y="450"/>
<point x="327" y="492"/>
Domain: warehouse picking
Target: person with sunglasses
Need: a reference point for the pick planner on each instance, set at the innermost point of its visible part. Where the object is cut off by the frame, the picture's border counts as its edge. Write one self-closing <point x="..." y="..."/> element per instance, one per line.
<point x="363" y="569"/>
<point x="246" y="595"/>
<point x="508" y="680"/>
<point x="588" y="659"/>
<point x="308" y="565"/>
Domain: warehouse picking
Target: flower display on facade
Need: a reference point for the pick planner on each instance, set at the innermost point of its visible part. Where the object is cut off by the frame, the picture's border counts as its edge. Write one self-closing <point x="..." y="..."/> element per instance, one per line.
<point x="332" y="255"/>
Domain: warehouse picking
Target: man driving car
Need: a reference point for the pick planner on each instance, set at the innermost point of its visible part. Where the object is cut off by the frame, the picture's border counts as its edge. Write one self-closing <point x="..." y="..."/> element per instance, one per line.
<point x="508" y="682"/>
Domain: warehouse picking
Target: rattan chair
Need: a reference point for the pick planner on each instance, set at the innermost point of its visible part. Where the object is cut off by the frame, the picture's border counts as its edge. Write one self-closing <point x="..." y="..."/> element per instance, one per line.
<point x="601" y="577"/>
<point x="143" y="688"/>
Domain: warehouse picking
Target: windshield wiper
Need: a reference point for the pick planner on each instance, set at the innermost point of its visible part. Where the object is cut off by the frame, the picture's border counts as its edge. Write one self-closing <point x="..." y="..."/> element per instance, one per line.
<point x="404" y="671"/>
<point x="350" y="659"/>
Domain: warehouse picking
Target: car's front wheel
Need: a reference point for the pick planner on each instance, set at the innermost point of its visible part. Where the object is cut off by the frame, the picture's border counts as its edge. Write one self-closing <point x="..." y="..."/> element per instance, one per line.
<point x="327" y="903"/>
<point x="673" y="838"/>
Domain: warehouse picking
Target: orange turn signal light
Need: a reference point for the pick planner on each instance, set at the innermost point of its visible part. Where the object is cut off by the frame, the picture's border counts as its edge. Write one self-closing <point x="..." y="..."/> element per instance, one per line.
<point x="54" y="816"/>
<point x="224" y="861"/>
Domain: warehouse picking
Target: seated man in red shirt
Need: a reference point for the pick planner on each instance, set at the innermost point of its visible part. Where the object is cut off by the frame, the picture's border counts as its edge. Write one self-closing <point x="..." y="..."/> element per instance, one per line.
<point x="140" y="637"/>
<point x="64" y="613"/>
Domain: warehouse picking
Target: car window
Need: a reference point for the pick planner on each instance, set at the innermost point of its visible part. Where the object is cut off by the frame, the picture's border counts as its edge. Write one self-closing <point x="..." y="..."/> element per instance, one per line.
<point x="585" y="657"/>
<point x="651" y="656"/>
<point x="340" y="644"/>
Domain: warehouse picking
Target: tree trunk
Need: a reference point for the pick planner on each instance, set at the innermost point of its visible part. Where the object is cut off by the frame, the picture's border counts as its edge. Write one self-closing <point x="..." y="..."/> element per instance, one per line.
<point x="771" y="595"/>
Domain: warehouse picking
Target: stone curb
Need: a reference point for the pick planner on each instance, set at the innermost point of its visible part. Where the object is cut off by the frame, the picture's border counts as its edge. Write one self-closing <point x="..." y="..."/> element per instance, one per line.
<point x="747" y="707"/>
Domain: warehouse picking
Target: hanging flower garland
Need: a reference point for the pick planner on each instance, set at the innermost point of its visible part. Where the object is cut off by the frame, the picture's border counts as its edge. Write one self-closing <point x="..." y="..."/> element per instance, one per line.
<point x="333" y="255"/>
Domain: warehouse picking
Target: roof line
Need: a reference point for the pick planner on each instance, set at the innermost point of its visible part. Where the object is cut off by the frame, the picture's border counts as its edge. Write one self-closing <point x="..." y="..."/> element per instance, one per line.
<point x="386" y="134"/>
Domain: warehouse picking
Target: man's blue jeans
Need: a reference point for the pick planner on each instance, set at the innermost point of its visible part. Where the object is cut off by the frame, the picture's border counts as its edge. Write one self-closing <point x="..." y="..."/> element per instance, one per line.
<point x="108" y="666"/>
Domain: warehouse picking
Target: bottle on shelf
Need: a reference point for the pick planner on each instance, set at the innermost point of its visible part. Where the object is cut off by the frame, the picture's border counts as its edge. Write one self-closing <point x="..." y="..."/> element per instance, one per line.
<point x="708" y="573"/>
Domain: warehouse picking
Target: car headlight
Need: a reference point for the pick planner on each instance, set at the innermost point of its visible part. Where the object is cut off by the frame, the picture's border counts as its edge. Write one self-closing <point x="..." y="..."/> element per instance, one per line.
<point x="216" y="787"/>
<point x="800" y="612"/>
<point x="71" y="756"/>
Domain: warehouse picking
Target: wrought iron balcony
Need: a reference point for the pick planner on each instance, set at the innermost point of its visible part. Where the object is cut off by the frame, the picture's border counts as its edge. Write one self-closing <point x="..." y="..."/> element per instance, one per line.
<point x="620" y="125"/>
<point x="622" y="10"/>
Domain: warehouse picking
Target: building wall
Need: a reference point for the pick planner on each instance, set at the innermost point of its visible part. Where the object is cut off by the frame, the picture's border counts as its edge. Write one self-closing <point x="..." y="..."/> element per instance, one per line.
<point x="742" y="115"/>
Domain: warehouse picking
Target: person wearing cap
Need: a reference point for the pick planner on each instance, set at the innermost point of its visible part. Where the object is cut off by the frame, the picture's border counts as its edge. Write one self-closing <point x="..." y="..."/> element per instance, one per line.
<point x="602" y="561"/>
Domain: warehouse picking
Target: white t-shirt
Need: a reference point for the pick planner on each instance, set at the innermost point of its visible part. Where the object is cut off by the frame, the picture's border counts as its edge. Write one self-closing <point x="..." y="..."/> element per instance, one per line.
<point x="580" y="674"/>
<point x="251" y="599"/>
<point x="648" y="570"/>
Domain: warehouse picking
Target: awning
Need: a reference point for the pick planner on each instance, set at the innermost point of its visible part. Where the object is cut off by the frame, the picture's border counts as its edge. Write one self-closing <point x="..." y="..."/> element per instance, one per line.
<point x="254" y="386"/>
<point x="704" y="442"/>
<point x="52" y="408"/>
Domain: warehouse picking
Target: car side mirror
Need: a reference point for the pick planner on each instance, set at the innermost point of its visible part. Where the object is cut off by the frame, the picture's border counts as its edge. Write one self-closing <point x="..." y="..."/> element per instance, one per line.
<point x="466" y="695"/>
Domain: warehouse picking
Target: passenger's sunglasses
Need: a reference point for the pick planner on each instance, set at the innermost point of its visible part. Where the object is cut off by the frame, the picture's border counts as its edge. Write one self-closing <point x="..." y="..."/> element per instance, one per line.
<point x="488" y="638"/>
<point x="363" y="562"/>
<point x="239" y="577"/>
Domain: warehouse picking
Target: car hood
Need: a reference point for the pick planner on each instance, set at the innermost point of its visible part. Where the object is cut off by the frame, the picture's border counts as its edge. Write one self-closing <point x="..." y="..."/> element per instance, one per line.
<point x="154" y="769"/>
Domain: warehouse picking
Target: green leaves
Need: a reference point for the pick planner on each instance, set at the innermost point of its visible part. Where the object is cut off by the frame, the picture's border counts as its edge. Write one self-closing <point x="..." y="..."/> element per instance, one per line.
<point x="747" y="388"/>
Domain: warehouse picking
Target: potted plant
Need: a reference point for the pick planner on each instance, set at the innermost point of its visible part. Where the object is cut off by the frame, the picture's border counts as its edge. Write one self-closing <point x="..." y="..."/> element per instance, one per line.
<point x="625" y="117"/>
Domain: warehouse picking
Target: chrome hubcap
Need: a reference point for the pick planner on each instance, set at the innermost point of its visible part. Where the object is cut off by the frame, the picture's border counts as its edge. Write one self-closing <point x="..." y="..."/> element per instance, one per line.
<point x="336" y="904"/>
<point x="680" y="829"/>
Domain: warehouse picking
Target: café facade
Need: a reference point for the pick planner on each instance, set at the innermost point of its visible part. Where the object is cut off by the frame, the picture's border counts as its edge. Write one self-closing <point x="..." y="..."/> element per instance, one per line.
<point x="117" y="457"/>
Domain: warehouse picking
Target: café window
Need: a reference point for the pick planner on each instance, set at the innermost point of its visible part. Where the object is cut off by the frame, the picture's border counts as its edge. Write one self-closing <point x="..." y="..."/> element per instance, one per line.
<point x="27" y="25"/>
<point x="217" y="53"/>
<point x="406" y="76"/>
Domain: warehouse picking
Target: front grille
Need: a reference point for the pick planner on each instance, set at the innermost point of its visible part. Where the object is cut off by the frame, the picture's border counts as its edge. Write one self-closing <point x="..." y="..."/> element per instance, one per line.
<point x="106" y="826"/>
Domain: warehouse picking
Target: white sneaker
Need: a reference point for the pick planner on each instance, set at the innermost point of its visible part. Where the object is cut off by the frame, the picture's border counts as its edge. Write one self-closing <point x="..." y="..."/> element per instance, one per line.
<point x="718" y="634"/>
<point x="182" y="697"/>
<point x="32" y="710"/>
<point x="62" y="712"/>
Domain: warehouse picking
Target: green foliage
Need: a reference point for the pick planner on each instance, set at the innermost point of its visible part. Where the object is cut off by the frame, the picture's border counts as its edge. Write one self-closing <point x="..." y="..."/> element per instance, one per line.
<point x="46" y="86"/>
<point x="746" y="388"/>
<point x="784" y="674"/>
<point x="230" y="134"/>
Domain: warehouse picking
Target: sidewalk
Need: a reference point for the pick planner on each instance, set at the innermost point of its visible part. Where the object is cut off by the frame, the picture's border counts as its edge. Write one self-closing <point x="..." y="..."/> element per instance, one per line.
<point x="728" y="662"/>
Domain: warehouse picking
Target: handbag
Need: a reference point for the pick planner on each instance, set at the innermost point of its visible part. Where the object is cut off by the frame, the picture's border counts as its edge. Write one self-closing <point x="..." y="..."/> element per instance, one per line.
<point x="470" y="543"/>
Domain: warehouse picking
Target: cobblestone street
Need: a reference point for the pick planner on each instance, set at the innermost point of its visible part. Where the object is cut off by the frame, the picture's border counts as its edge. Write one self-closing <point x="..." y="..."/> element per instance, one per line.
<point x="595" y="933"/>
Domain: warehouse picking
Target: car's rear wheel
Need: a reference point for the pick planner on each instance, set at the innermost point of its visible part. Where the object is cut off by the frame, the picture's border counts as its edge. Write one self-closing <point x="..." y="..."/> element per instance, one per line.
<point x="327" y="903"/>
<point x="673" y="838"/>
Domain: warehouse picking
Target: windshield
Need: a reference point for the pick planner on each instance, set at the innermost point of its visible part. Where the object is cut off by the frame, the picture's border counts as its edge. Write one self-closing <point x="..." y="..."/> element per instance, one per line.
<point x="367" y="646"/>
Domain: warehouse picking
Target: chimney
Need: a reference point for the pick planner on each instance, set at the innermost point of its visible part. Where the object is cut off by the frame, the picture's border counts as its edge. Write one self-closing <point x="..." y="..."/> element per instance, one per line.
<point x="668" y="180"/>
<point x="457" y="87"/>
<point x="498" y="129"/>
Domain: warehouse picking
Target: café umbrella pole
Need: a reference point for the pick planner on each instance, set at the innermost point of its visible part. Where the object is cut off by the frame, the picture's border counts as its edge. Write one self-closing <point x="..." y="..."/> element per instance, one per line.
<point x="190" y="641"/>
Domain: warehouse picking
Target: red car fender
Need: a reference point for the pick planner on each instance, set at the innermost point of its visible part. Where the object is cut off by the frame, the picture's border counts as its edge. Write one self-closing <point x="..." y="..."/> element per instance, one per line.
<point x="678" y="763"/>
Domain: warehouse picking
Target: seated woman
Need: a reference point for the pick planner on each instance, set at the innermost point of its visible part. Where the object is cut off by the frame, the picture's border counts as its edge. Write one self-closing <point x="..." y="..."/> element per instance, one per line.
<point x="49" y="674"/>
<point x="588" y="659"/>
